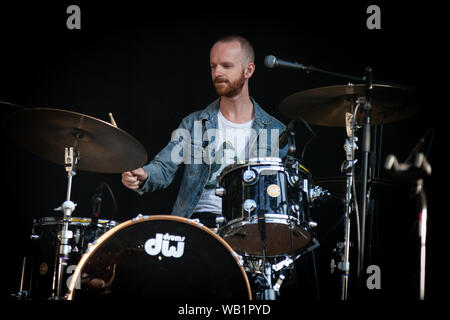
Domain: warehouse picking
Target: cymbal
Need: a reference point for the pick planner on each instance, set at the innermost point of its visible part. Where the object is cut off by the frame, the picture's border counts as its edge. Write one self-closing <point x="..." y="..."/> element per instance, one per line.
<point x="6" y="110"/>
<point x="326" y="106"/>
<point x="102" y="147"/>
<point x="378" y="187"/>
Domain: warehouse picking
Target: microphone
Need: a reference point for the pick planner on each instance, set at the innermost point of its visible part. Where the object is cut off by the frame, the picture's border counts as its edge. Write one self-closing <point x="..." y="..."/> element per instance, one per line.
<point x="96" y="201"/>
<point x="272" y="61"/>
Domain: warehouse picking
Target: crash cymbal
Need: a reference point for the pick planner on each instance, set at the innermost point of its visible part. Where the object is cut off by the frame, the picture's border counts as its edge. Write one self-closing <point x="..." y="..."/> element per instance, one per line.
<point x="378" y="187"/>
<point x="102" y="147"/>
<point x="326" y="106"/>
<point x="6" y="110"/>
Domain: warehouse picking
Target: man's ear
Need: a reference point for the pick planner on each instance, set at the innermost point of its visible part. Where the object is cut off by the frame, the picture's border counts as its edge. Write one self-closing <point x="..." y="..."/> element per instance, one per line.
<point x="248" y="72"/>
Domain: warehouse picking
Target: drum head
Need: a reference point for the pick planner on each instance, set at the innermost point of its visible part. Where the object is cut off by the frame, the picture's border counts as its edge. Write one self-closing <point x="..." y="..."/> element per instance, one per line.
<point x="161" y="258"/>
<point x="281" y="238"/>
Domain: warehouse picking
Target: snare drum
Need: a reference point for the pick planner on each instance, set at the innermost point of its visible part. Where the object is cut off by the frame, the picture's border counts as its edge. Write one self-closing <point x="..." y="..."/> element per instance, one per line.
<point x="264" y="187"/>
<point x="160" y="257"/>
<point x="41" y="262"/>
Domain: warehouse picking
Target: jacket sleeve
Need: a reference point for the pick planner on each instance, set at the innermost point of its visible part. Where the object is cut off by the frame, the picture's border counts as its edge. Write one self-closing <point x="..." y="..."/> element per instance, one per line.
<point x="163" y="168"/>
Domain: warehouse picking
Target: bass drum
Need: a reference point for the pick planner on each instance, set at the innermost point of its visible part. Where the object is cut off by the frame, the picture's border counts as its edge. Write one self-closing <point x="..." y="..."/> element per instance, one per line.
<point x="160" y="257"/>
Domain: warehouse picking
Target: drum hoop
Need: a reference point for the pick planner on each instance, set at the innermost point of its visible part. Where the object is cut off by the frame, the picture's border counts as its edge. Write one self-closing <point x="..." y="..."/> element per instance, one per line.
<point x="276" y="166"/>
<point x="96" y="244"/>
<point x="269" y="218"/>
<point x="50" y="221"/>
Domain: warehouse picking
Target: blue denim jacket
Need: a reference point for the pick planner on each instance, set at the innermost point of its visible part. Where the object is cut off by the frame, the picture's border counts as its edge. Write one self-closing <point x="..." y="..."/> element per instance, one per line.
<point x="191" y="147"/>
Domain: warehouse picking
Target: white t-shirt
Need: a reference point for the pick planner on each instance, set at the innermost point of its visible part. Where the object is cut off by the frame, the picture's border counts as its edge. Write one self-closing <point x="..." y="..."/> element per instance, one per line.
<point x="231" y="145"/>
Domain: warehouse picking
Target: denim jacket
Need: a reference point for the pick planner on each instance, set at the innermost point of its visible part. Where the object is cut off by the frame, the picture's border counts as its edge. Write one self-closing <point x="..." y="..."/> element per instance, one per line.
<point x="191" y="148"/>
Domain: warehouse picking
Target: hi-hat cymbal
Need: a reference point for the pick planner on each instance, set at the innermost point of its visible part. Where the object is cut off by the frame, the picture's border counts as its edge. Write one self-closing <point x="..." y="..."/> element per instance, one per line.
<point x="102" y="147"/>
<point x="6" y="110"/>
<point x="326" y="106"/>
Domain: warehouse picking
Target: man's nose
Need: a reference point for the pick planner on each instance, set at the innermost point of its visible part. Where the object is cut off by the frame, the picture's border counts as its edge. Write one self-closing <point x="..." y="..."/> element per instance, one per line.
<point x="218" y="72"/>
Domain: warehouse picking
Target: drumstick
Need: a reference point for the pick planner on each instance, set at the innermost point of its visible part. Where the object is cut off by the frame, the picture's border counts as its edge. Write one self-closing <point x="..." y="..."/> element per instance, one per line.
<point x="113" y="122"/>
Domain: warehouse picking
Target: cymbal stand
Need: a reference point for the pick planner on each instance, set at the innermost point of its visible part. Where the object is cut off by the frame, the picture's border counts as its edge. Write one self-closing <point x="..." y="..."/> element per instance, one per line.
<point x="365" y="148"/>
<point x="70" y="162"/>
<point x="348" y="168"/>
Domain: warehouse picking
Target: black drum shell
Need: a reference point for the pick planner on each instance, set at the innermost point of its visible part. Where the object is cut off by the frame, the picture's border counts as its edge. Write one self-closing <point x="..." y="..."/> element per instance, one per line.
<point x="287" y="231"/>
<point x="40" y="263"/>
<point x="207" y="269"/>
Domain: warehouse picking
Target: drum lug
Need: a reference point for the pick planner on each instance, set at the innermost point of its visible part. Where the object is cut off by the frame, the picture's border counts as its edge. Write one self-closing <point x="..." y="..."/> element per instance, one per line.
<point x="294" y="180"/>
<point x="239" y="258"/>
<point x="249" y="176"/>
<point x="220" y="191"/>
<point x="249" y="205"/>
<point x="91" y="245"/>
<point x="34" y="237"/>
<point x="77" y="236"/>
<point x="139" y="217"/>
<point x="220" y="220"/>
<point x="295" y="208"/>
<point x="312" y="224"/>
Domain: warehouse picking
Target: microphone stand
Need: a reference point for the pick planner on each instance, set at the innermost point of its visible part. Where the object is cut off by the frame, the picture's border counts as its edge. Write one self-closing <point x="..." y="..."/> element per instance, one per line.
<point x="366" y="146"/>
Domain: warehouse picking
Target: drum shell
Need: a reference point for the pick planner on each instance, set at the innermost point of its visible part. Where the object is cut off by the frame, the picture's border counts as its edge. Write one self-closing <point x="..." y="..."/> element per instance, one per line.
<point x="280" y="201"/>
<point x="42" y="258"/>
<point x="206" y="269"/>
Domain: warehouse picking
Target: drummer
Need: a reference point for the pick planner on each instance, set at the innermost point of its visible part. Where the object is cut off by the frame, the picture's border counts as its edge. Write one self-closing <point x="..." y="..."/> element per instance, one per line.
<point x="232" y="128"/>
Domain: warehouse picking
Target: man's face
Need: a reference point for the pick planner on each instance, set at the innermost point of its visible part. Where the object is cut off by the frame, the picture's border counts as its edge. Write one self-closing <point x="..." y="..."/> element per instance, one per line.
<point x="227" y="70"/>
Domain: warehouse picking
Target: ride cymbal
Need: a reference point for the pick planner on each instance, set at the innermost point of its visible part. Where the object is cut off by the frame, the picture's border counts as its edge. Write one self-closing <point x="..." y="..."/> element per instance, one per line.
<point x="327" y="106"/>
<point x="6" y="110"/>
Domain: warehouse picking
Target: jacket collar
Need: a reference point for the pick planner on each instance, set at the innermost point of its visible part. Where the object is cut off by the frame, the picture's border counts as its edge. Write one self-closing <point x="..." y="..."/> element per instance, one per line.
<point x="261" y="117"/>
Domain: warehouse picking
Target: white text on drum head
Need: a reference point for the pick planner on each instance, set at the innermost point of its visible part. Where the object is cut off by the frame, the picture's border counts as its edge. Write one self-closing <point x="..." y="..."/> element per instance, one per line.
<point x="161" y="244"/>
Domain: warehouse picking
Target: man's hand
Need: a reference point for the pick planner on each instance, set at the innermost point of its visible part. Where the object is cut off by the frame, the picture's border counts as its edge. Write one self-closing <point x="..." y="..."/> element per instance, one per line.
<point x="133" y="179"/>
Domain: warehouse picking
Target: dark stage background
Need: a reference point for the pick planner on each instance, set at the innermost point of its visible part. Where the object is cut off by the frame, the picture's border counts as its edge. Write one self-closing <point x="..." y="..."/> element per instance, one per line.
<point x="149" y="66"/>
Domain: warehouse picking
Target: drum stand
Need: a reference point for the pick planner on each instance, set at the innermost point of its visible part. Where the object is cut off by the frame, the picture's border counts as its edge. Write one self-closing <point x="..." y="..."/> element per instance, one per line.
<point x="70" y="161"/>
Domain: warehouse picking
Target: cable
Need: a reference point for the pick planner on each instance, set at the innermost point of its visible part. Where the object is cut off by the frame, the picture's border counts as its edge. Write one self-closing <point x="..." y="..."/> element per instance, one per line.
<point x="310" y="139"/>
<point x="355" y="198"/>
<point x="114" y="202"/>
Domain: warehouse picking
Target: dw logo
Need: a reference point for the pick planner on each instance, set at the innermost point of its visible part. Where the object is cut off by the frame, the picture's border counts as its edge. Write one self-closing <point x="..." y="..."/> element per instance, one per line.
<point x="160" y="243"/>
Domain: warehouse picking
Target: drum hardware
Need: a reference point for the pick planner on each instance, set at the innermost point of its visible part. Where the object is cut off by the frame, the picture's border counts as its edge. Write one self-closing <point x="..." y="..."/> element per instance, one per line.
<point x="348" y="167"/>
<point x="380" y="102"/>
<point x="144" y="271"/>
<point x="267" y="277"/>
<point x="220" y="220"/>
<point x="70" y="163"/>
<point x="41" y="263"/>
<point x="104" y="148"/>
<point x="264" y="203"/>
<point x="220" y="192"/>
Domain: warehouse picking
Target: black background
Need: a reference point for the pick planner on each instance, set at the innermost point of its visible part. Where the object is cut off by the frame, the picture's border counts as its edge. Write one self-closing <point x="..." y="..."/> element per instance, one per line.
<point x="149" y="66"/>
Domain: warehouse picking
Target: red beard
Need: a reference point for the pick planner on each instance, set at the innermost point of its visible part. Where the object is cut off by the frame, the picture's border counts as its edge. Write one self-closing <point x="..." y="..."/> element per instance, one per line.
<point x="224" y="88"/>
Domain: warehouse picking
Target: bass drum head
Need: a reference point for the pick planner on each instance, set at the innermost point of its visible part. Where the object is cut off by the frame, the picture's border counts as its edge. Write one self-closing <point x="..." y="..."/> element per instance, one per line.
<point x="161" y="258"/>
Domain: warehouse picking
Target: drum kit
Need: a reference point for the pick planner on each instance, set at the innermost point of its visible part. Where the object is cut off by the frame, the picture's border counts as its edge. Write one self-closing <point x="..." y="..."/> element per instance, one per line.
<point x="264" y="228"/>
